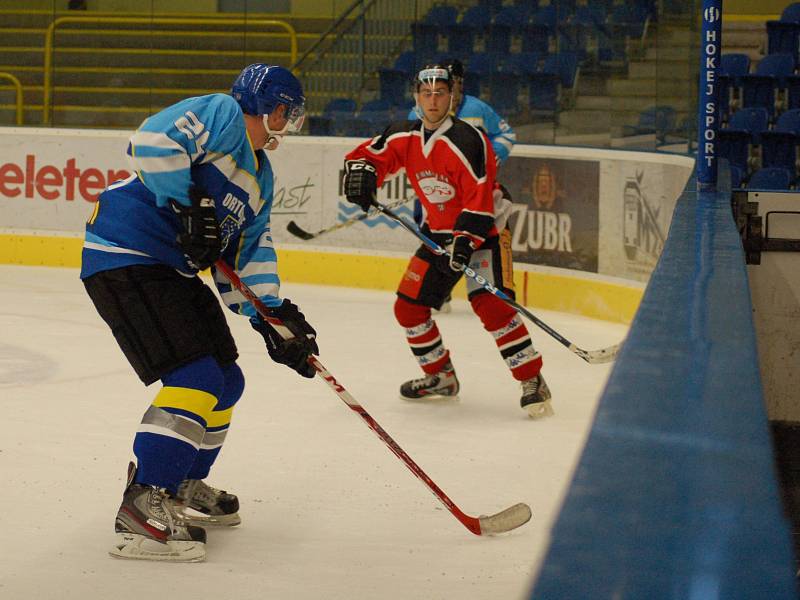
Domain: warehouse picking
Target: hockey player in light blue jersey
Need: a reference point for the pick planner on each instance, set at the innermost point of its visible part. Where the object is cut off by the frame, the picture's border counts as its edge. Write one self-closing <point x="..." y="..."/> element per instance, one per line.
<point x="202" y="191"/>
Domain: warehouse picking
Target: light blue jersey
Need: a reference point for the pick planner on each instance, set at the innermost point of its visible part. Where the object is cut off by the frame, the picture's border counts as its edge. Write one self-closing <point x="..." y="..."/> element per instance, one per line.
<point x="476" y="112"/>
<point x="201" y="142"/>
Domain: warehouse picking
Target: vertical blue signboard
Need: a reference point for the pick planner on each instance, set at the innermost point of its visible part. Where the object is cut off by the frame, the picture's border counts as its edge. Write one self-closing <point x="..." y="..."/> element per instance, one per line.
<point x="708" y="101"/>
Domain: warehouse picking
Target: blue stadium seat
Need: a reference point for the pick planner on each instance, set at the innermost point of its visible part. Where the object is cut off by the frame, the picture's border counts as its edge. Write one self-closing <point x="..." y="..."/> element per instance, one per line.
<point x="779" y="145"/>
<point x="378" y="113"/>
<point x="737" y="177"/>
<point x="625" y="22"/>
<point x="658" y="120"/>
<point x="477" y="71"/>
<point x="540" y="75"/>
<point x="334" y="117"/>
<point x="759" y="88"/>
<point x="566" y="65"/>
<point x="444" y="16"/>
<point x="430" y="35"/>
<point x="585" y="31"/>
<point x="513" y="32"/>
<point x="771" y="178"/>
<point x="783" y="37"/>
<point x="470" y="34"/>
<point x="791" y="14"/>
<point x="547" y="16"/>
<point x="394" y="83"/>
<point x="504" y="93"/>
<point x="731" y="67"/>
<point x="744" y="131"/>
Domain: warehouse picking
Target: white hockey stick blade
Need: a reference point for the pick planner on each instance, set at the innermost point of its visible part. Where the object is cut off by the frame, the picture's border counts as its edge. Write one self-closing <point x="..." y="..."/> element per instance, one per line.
<point x="594" y="357"/>
<point x="506" y="520"/>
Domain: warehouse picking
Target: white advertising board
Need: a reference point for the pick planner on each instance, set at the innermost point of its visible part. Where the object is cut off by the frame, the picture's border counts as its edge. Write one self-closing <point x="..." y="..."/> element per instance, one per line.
<point x="49" y="179"/>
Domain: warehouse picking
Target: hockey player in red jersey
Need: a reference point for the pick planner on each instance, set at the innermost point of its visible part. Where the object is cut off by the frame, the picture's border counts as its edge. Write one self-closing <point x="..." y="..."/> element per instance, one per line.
<point x="451" y="166"/>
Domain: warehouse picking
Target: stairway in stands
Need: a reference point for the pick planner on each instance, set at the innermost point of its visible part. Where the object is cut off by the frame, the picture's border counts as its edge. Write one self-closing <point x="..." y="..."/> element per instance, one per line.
<point x="114" y="76"/>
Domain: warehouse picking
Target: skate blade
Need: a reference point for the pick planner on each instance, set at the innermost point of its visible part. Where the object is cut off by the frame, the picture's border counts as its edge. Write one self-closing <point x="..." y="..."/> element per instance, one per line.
<point x="431" y="398"/>
<point x="197" y="518"/>
<point x="140" y="547"/>
<point x="540" y="410"/>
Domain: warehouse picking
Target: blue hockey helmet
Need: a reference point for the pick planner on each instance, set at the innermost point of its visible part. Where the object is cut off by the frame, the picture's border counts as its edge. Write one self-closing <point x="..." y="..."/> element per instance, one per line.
<point x="259" y="88"/>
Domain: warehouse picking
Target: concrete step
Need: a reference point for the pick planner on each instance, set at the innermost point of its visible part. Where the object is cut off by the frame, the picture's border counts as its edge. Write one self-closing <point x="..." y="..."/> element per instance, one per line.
<point x="41" y="20"/>
<point x="585" y="121"/>
<point x="661" y="69"/>
<point x="648" y="87"/>
<point x="178" y="40"/>
<point x="663" y="53"/>
<point x="585" y="102"/>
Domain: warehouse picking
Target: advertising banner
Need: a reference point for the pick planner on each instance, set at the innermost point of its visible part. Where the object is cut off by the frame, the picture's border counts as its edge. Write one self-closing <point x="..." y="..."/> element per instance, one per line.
<point x="596" y="211"/>
<point x="554" y="220"/>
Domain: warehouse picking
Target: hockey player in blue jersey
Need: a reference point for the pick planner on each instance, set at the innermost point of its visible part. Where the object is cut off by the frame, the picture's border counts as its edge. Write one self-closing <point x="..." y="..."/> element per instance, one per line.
<point x="202" y="190"/>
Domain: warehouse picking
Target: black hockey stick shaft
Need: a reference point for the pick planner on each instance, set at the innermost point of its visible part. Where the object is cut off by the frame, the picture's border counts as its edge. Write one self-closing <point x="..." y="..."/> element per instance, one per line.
<point x="590" y="356"/>
<point x="297" y="231"/>
<point x="506" y="520"/>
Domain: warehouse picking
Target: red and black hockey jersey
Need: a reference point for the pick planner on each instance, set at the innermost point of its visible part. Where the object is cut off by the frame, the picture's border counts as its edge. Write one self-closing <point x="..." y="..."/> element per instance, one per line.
<point x="453" y="173"/>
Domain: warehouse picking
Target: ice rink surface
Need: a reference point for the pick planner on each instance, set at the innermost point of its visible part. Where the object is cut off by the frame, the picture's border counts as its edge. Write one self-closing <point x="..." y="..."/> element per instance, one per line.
<point x="328" y="511"/>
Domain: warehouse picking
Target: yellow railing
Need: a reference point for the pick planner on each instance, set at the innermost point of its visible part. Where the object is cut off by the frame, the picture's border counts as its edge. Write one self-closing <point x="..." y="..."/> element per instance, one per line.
<point x="18" y="87"/>
<point x="48" y="42"/>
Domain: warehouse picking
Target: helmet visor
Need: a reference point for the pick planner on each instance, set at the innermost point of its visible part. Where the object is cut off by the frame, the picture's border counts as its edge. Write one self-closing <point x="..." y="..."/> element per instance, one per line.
<point x="294" y="114"/>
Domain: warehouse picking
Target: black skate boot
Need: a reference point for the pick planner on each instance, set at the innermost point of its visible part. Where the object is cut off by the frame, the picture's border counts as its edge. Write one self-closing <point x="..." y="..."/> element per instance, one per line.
<point x="218" y="507"/>
<point x="443" y="384"/>
<point x="536" y="397"/>
<point x="149" y="529"/>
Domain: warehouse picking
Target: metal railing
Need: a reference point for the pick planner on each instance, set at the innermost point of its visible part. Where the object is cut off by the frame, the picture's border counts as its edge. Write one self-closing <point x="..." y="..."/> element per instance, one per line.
<point x="368" y="35"/>
<point x="50" y="33"/>
<point x="18" y="86"/>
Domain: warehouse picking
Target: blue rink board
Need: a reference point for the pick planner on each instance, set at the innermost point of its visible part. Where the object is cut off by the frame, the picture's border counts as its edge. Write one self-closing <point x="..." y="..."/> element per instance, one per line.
<point x="675" y="494"/>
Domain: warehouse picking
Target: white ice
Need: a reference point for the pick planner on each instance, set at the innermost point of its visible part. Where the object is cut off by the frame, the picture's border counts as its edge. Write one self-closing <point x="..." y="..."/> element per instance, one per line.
<point x="328" y="511"/>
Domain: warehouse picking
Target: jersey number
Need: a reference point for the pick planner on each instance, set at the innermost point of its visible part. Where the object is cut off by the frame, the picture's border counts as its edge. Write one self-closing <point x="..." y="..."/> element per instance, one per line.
<point x="190" y="126"/>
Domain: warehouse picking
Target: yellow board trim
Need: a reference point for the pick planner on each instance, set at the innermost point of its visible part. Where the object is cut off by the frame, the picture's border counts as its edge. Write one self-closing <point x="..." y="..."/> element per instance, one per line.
<point x="577" y="295"/>
<point x="196" y="402"/>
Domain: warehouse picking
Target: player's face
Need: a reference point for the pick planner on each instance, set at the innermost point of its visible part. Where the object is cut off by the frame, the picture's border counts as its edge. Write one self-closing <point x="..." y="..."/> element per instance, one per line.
<point x="256" y="126"/>
<point x="434" y="100"/>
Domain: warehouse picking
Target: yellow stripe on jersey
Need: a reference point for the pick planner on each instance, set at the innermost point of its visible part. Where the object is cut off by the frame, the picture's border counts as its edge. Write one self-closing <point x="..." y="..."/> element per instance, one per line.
<point x="194" y="401"/>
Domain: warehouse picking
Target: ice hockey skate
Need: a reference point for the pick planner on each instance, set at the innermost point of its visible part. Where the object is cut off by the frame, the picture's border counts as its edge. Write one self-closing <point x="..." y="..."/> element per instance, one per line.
<point x="200" y="504"/>
<point x="443" y="384"/>
<point x="536" y="398"/>
<point x="148" y="527"/>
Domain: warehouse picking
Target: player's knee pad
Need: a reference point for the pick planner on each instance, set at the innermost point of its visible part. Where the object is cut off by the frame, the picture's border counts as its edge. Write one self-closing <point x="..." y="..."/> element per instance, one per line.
<point x="192" y="390"/>
<point x="203" y="374"/>
<point x="234" y="386"/>
<point x="492" y="311"/>
<point x="410" y="315"/>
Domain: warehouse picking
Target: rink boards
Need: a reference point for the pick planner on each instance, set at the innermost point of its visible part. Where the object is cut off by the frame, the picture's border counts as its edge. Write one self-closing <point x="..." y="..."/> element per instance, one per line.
<point x="587" y="225"/>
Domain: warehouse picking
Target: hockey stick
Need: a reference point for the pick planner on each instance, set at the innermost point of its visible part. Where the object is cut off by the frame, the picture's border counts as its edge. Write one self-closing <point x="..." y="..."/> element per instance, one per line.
<point x="297" y="231"/>
<point x="506" y="520"/>
<point x="591" y="356"/>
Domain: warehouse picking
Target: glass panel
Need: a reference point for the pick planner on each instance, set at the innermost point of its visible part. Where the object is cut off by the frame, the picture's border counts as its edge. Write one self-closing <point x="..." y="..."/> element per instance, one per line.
<point x="604" y="73"/>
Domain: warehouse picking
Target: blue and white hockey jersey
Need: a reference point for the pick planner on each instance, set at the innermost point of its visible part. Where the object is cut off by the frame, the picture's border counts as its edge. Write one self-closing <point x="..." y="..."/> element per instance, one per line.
<point x="203" y="142"/>
<point x="476" y="112"/>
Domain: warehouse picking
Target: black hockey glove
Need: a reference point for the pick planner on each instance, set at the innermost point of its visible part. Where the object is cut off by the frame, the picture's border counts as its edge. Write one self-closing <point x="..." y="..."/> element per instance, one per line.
<point x="460" y="253"/>
<point x="200" y="239"/>
<point x="291" y="351"/>
<point x="360" y="183"/>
